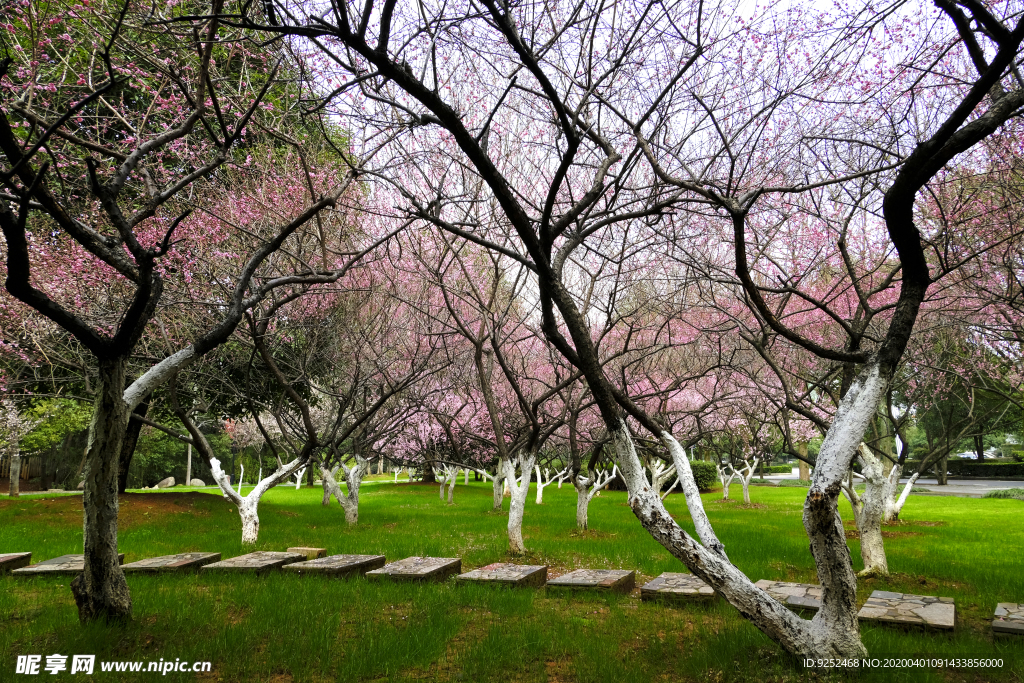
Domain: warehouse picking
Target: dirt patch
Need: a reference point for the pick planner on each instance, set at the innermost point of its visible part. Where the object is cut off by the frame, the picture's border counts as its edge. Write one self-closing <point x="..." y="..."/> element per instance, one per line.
<point x="725" y="501"/>
<point x="923" y="523"/>
<point x="853" y="533"/>
<point x="590" y="534"/>
<point x="286" y="513"/>
<point x="145" y="507"/>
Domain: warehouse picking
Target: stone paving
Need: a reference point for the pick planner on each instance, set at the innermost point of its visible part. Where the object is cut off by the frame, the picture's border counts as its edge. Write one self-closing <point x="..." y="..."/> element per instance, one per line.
<point x="310" y="553"/>
<point x="596" y="579"/>
<point x="418" y="569"/>
<point x="905" y="609"/>
<point x="1009" y="618"/>
<point x="508" y="574"/>
<point x="182" y="562"/>
<point x="58" y="566"/>
<point x="261" y="561"/>
<point x="675" y="587"/>
<point x="337" y="565"/>
<point x="11" y="561"/>
<point x="805" y="596"/>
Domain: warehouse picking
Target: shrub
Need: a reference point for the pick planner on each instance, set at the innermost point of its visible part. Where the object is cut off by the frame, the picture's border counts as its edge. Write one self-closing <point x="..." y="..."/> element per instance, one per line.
<point x="1006" y="493"/>
<point x="705" y="474"/>
<point x="988" y="470"/>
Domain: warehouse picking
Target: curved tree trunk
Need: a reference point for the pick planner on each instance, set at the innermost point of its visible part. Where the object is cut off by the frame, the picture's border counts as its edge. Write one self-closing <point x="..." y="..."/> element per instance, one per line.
<point x="894" y="508"/>
<point x="869" y="520"/>
<point x="131" y="440"/>
<point x="101" y="591"/>
<point x="451" y="486"/>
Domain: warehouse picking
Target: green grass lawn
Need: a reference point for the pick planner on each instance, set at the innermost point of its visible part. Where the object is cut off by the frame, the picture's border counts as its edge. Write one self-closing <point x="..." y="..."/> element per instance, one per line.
<point x="287" y="628"/>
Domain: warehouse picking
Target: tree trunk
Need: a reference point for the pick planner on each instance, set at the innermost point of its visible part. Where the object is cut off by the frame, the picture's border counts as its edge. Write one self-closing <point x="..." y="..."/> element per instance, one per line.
<point x="979" y="447"/>
<point x="101" y="591"/>
<point x="805" y="469"/>
<point x="451" y="486"/>
<point x="131" y="440"/>
<point x="520" y="488"/>
<point x="188" y="466"/>
<point x="941" y="471"/>
<point x="15" y="488"/>
<point x="893" y="512"/>
<point x="498" y="483"/>
<point x="581" y="484"/>
<point x="247" y="510"/>
<point x="869" y="520"/>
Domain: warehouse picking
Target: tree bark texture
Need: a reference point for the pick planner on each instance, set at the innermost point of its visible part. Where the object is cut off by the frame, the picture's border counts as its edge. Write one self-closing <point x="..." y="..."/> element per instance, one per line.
<point x="15" y="487"/>
<point x="101" y="591"/>
<point x="131" y="440"/>
<point x="520" y="488"/>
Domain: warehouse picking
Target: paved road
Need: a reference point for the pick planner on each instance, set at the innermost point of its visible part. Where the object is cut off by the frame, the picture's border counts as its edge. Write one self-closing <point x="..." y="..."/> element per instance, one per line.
<point x="968" y="488"/>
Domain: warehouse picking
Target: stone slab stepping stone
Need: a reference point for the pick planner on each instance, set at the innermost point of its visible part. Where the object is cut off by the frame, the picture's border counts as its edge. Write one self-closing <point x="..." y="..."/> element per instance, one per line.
<point x="260" y="561"/>
<point x="182" y="562"/>
<point x="310" y="553"/>
<point x="905" y="609"/>
<point x="338" y="565"/>
<point x="12" y="561"/>
<point x="806" y="596"/>
<point x="674" y="587"/>
<point x="1009" y="618"/>
<point x="618" y="580"/>
<point x="508" y="574"/>
<point x="58" y="566"/>
<point x="418" y="569"/>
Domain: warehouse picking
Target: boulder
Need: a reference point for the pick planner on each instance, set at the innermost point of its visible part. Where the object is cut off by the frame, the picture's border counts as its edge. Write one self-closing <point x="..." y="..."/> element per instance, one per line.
<point x="165" y="483"/>
<point x="81" y="485"/>
<point x="197" y="482"/>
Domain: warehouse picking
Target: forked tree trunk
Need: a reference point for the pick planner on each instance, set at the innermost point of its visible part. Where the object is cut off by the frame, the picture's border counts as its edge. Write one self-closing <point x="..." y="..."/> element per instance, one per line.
<point x="894" y="506"/>
<point x="353" y="480"/>
<point x="15" y="484"/>
<point x="583" y="497"/>
<point x="326" y="501"/>
<point x="247" y="505"/>
<point x="868" y="511"/>
<point x="726" y="481"/>
<point x="101" y="591"/>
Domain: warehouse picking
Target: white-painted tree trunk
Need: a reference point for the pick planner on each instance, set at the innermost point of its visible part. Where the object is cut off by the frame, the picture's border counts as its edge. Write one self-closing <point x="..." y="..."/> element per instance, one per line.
<point x="188" y="467"/>
<point x="326" y="501"/>
<point x="586" y="489"/>
<point x="660" y="473"/>
<point x="868" y="511"/>
<point x="546" y="480"/>
<point x="466" y="481"/>
<point x="349" y="502"/>
<point x="520" y="489"/>
<point x="726" y="481"/>
<point x="745" y="476"/>
<point x="893" y="508"/>
<point x="670" y="489"/>
<point x="298" y="477"/>
<point x="247" y="505"/>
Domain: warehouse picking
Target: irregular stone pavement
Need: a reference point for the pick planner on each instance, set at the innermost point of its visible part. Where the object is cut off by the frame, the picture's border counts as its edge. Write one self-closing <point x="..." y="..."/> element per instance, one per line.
<point x="1009" y="618"/>
<point x="676" y="587"/>
<point x="260" y="561"/>
<point x="338" y="565"/>
<point x="418" y="569"/>
<point x="909" y="610"/>
<point x="58" y="566"/>
<point x="596" y="579"/>
<point x="172" y="563"/>
<point x="805" y="596"/>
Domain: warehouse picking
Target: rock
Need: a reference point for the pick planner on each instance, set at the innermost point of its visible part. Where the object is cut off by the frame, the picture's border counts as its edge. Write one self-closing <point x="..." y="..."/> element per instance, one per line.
<point x="165" y="483"/>
<point x="81" y="485"/>
<point x="197" y="482"/>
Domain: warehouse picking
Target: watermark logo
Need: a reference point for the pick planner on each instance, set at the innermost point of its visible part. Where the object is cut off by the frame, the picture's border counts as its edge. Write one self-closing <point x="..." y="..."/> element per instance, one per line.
<point x="34" y="665"/>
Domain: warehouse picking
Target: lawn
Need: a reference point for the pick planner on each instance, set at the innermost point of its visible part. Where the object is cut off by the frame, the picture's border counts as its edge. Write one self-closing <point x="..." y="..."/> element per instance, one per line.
<point x="287" y="628"/>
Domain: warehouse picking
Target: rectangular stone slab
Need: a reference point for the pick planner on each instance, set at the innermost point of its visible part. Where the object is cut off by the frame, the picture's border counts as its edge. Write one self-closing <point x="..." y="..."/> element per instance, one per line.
<point x="310" y="553"/>
<point x="800" y="596"/>
<point x="418" y="569"/>
<point x="1009" y="619"/>
<point x="508" y="574"/>
<point x="12" y="561"/>
<point x="674" y="587"/>
<point x="182" y="562"/>
<point x="904" y="609"/>
<point x="58" y="566"/>
<point x="260" y="561"/>
<point x="618" y="580"/>
<point x="338" y="565"/>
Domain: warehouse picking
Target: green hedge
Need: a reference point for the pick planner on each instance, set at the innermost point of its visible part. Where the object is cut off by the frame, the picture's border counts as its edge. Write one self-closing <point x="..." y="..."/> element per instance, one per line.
<point x="777" y="469"/>
<point x="705" y="474"/>
<point x="972" y="468"/>
<point x="989" y="470"/>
